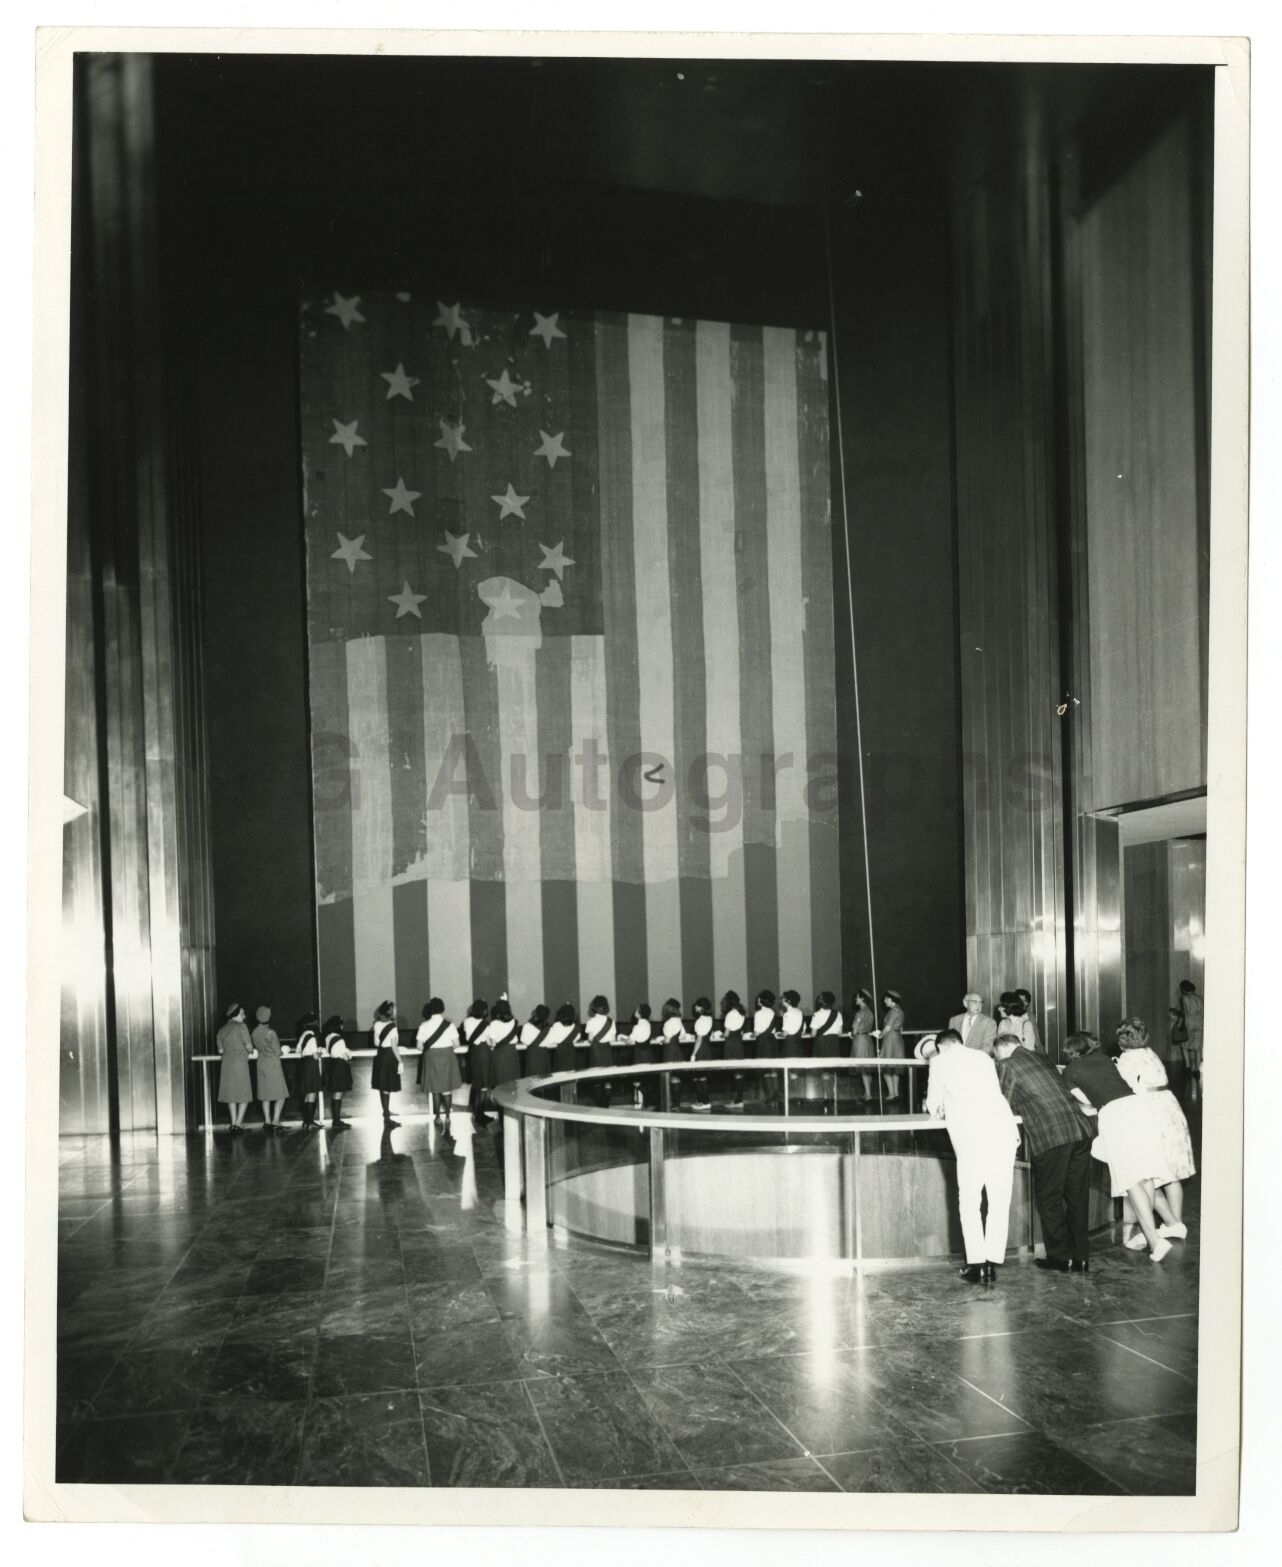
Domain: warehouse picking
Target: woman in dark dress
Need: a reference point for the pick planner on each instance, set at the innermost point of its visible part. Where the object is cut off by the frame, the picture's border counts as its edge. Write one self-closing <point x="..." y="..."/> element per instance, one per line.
<point x="892" y="1040"/>
<point x="438" y="1066"/>
<point x="536" y="1056"/>
<point x="863" y="1047"/>
<point x="309" y="1066"/>
<point x="234" y="1087"/>
<point x="338" y="1068"/>
<point x="386" y="1076"/>
<point x="563" y="1039"/>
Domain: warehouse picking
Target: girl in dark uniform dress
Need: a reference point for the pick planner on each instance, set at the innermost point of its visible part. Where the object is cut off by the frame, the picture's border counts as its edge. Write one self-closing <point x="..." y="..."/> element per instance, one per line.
<point x="645" y="1051"/>
<point x="599" y="1033"/>
<point x="386" y="1076"/>
<point x="703" y="1049"/>
<point x="437" y="1038"/>
<point x="673" y="1047"/>
<point x="792" y="1024"/>
<point x="271" y="1075"/>
<point x="734" y="1022"/>
<point x="537" y="1056"/>
<point x="338" y="1068"/>
<point x="502" y="1032"/>
<point x="892" y="1040"/>
<point x="862" y="1044"/>
<point x="476" y="1071"/>
<point x="562" y="1039"/>
<point x="766" y="1046"/>
<point x="309" y="1067"/>
<point x="234" y="1044"/>
<point x="826" y="1026"/>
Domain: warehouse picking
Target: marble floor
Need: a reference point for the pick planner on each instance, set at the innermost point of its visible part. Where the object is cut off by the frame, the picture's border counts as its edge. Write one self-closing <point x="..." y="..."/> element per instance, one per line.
<point x="350" y="1309"/>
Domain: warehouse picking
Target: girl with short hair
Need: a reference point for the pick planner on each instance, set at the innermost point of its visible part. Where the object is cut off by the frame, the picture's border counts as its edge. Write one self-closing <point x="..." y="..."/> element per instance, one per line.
<point x="385" y="1077"/>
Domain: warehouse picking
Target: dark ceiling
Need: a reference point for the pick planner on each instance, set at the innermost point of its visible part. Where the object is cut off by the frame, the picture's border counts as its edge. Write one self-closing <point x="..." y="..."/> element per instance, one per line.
<point x="774" y="133"/>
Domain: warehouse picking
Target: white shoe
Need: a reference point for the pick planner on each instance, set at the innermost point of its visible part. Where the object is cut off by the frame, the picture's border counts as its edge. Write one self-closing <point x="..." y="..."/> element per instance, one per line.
<point x="1159" y="1251"/>
<point x="1136" y="1242"/>
<point x="1173" y="1232"/>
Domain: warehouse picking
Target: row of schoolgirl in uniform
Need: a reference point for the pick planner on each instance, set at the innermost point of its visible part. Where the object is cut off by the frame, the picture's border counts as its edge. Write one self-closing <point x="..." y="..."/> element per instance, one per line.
<point x="490" y="1046"/>
<point x="324" y="1067"/>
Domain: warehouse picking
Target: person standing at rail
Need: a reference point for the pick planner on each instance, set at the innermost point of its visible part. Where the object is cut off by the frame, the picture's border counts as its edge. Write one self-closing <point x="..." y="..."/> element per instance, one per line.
<point x="826" y="1026"/>
<point x="964" y="1093"/>
<point x="734" y="1024"/>
<point x="563" y="1039"/>
<point x="439" y="1074"/>
<point x="385" y="1077"/>
<point x="234" y="1045"/>
<point x="338" y="1069"/>
<point x="891" y="1046"/>
<point x="309" y="1066"/>
<point x="271" y="1075"/>
<point x="704" y="1048"/>
<point x="1057" y="1140"/>
<point x="598" y="1039"/>
<point x="863" y="1042"/>
<point x="537" y="1057"/>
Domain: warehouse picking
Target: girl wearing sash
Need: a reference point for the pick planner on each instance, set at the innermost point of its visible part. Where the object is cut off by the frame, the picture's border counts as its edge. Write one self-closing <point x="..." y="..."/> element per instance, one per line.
<point x="309" y="1067"/>
<point x="438" y="1066"/>
<point x="386" y="1075"/>
<point x="535" y="1043"/>
<point x="477" y="1062"/>
<point x="234" y="1045"/>
<point x="703" y="1049"/>
<point x="599" y="1036"/>
<point x="734" y="1022"/>
<point x="765" y="1022"/>
<point x="671" y="1041"/>
<point x="644" y="1048"/>
<point x="863" y="1046"/>
<point x="791" y="1023"/>
<point x="826" y="1026"/>
<point x="502" y="1033"/>
<point x="469" y="1029"/>
<point x="892" y="1039"/>
<point x="271" y="1075"/>
<point x="562" y="1039"/>
<point x="338" y="1068"/>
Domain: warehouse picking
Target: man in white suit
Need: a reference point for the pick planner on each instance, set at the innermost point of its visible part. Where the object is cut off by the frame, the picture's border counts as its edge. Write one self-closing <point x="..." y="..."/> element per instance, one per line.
<point x="976" y="1029"/>
<point x="965" y="1094"/>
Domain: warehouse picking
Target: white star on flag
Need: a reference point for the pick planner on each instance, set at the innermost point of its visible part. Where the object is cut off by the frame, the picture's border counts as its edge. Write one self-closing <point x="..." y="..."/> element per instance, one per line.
<point x="546" y="327"/>
<point x="555" y="560"/>
<point x="350" y="551"/>
<point x="451" y="441"/>
<point x="457" y="547"/>
<point x="401" y="498"/>
<point x="398" y="383"/>
<point x="407" y="601"/>
<point x="347" y="310"/>
<point x="345" y="436"/>
<point x="506" y="606"/>
<point x="511" y="504"/>
<point x="451" y="319"/>
<point x="504" y="389"/>
<point x="553" y="446"/>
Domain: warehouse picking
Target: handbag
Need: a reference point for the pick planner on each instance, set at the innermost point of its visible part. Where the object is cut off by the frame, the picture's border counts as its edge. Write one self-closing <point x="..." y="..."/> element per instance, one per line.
<point x="1179" y="1030"/>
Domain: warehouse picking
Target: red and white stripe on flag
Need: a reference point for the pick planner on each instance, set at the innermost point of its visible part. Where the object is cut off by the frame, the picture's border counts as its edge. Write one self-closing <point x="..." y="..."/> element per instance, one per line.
<point x="572" y="661"/>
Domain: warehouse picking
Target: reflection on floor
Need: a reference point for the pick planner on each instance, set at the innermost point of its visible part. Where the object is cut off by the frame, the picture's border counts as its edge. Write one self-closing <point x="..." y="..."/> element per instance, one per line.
<point x="350" y="1309"/>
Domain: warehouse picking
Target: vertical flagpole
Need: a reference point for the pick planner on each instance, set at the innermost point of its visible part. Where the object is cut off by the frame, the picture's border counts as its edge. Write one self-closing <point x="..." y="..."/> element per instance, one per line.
<point x="850" y="591"/>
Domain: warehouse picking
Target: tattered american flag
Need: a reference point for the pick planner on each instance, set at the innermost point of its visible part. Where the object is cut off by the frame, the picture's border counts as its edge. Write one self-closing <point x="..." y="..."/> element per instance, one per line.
<point x="571" y="651"/>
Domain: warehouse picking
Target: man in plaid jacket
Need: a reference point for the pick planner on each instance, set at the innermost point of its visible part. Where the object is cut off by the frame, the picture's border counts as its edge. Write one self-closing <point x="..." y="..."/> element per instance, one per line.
<point x="1057" y="1142"/>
